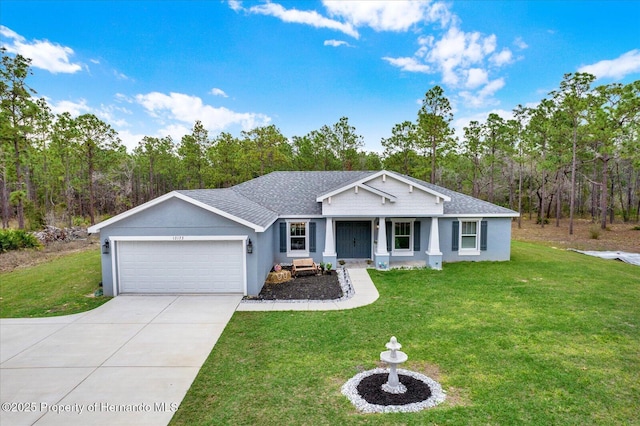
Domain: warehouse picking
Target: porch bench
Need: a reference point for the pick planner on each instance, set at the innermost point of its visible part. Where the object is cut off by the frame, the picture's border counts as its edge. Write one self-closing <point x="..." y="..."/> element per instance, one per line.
<point x="304" y="265"/>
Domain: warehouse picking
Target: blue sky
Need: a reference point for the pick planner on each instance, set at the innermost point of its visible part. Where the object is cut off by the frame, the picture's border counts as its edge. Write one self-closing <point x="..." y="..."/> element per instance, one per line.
<point x="154" y="67"/>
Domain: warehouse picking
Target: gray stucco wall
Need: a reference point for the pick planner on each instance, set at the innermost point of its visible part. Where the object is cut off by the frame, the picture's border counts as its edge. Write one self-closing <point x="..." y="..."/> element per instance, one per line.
<point x="282" y="257"/>
<point x="498" y="241"/>
<point x="177" y="217"/>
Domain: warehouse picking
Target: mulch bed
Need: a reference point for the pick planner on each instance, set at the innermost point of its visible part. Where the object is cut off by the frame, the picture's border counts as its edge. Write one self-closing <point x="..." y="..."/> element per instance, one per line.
<point x="370" y="389"/>
<point x="303" y="287"/>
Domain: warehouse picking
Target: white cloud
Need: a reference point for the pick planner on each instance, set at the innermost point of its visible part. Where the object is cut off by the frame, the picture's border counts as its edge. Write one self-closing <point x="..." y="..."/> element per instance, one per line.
<point x="235" y="5"/>
<point x="188" y="109"/>
<point x="107" y="113"/>
<point x="520" y="44"/>
<point x="409" y="64"/>
<point x="121" y="76"/>
<point x="625" y="64"/>
<point x="439" y="12"/>
<point x="476" y="77"/>
<point x="504" y="57"/>
<point x="74" y="108"/>
<point x="218" y="92"/>
<point x="380" y="15"/>
<point x="336" y="43"/>
<point x="385" y="15"/>
<point x="454" y="55"/>
<point x="312" y="18"/>
<point x="130" y="140"/>
<point x="460" y="49"/>
<point x="483" y="97"/>
<point x="43" y="54"/>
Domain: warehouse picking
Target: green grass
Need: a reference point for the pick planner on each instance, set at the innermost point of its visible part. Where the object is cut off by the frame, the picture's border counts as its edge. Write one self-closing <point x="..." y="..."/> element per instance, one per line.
<point x="552" y="337"/>
<point x="57" y="287"/>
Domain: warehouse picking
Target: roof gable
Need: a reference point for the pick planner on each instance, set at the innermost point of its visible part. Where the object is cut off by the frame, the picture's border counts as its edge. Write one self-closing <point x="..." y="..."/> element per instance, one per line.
<point x="362" y="183"/>
<point x="226" y="209"/>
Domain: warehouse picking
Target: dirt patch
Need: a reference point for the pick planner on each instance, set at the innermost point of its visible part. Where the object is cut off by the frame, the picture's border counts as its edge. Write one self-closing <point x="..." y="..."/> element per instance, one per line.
<point x="18" y="259"/>
<point x="617" y="236"/>
<point x="303" y="287"/>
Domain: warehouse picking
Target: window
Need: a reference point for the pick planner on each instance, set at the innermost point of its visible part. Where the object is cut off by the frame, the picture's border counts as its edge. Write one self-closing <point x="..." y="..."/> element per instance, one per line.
<point x="403" y="238"/>
<point x="402" y="235"/>
<point x="469" y="235"/>
<point x="298" y="238"/>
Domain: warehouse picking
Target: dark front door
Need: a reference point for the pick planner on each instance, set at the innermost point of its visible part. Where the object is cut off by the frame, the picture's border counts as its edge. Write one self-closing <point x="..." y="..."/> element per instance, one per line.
<point x="353" y="240"/>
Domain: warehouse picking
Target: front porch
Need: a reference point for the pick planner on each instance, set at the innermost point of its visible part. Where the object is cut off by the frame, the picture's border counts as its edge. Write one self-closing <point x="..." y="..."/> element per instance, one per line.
<point x="394" y="264"/>
<point x="383" y="243"/>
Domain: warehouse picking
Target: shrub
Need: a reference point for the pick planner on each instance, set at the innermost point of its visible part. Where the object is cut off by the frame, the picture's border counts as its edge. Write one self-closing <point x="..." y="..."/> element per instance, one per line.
<point x="80" y="221"/>
<point x="636" y="228"/>
<point x="16" y="239"/>
<point x="594" y="232"/>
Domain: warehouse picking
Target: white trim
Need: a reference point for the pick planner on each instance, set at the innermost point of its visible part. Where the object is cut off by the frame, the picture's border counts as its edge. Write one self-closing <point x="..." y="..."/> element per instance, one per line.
<point x="484" y="215"/>
<point x="175" y="194"/>
<point x="381" y="245"/>
<point x="298" y="253"/>
<point x="402" y="252"/>
<point x="181" y="238"/>
<point x="329" y="238"/>
<point x="384" y="174"/>
<point x="115" y="270"/>
<point x="475" y="251"/>
<point x="433" y="248"/>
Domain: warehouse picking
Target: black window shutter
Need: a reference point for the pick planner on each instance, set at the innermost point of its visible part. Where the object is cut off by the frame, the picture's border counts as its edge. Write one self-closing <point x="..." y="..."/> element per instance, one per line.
<point x="483" y="235"/>
<point x="455" y="235"/>
<point x="283" y="237"/>
<point x="389" y="235"/>
<point x="416" y="235"/>
<point x="312" y="237"/>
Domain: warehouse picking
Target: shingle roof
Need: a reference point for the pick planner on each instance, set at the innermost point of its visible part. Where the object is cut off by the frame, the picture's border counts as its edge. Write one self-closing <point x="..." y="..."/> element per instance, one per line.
<point x="262" y="200"/>
<point x="465" y="204"/>
<point x="233" y="203"/>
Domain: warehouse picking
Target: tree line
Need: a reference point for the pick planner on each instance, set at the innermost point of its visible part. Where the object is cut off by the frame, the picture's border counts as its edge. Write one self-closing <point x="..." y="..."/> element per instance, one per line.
<point x="576" y="152"/>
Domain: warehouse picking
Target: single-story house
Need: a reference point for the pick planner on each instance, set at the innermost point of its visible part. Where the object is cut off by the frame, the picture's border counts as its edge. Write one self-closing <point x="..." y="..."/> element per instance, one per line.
<point x="227" y="240"/>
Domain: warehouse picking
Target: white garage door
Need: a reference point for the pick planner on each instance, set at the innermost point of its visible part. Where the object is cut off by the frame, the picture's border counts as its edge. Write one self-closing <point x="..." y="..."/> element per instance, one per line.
<point x="181" y="266"/>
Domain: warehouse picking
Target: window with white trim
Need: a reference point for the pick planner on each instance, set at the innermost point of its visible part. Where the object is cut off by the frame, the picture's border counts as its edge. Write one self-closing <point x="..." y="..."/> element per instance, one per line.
<point x="469" y="237"/>
<point x="297" y="239"/>
<point x="402" y="237"/>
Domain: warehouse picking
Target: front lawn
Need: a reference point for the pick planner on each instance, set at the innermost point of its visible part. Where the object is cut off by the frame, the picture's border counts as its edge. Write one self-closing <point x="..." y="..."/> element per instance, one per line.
<point x="60" y="286"/>
<point x="551" y="337"/>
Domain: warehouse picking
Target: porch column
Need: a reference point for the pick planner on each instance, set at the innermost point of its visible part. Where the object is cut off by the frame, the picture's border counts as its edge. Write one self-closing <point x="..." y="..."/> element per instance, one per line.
<point x="434" y="255"/>
<point x="329" y="240"/>
<point x="381" y="248"/>
<point x="381" y="256"/>
<point x="434" y="238"/>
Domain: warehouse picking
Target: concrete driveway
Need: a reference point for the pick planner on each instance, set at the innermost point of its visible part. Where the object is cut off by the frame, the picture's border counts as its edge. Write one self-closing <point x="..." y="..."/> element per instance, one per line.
<point x="130" y="361"/>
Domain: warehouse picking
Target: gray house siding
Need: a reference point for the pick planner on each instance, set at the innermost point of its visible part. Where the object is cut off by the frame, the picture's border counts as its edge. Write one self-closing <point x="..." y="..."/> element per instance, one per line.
<point x="281" y="257"/>
<point x="176" y="217"/>
<point x="419" y="243"/>
<point x="498" y="241"/>
<point x="264" y="255"/>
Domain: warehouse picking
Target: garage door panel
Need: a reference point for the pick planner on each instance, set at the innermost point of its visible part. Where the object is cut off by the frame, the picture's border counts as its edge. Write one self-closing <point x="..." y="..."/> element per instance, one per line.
<point x="181" y="266"/>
